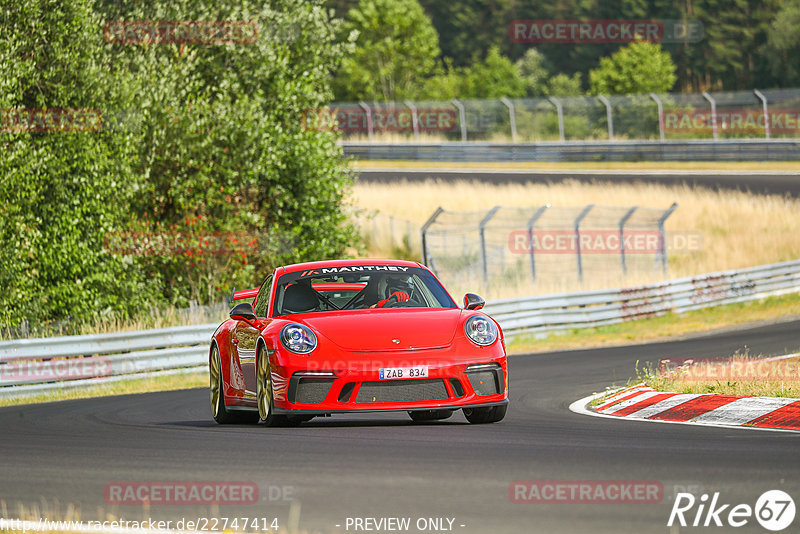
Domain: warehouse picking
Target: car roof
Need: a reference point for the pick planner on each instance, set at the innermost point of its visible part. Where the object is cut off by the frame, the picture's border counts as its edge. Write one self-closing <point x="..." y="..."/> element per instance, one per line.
<point x="347" y="263"/>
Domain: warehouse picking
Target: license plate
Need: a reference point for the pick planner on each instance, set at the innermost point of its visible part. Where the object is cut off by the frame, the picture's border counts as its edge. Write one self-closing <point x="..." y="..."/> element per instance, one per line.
<point x="391" y="373"/>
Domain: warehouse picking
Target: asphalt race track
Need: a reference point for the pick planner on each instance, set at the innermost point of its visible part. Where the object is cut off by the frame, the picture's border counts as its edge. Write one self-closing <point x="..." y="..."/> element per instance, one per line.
<point x="771" y="182"/>
<point x="379" y="466"/>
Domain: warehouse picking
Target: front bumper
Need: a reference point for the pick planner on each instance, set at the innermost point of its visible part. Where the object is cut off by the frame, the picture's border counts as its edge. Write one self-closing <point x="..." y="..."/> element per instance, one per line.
<point x="353" y="385"/>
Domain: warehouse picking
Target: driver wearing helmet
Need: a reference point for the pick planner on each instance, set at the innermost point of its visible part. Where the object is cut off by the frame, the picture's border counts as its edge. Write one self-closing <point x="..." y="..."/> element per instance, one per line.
<point x="397" y="289"/>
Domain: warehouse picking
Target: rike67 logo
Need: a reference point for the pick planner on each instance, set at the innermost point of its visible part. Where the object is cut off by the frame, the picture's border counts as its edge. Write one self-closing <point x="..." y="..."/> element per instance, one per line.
<point x="774" y="510"/>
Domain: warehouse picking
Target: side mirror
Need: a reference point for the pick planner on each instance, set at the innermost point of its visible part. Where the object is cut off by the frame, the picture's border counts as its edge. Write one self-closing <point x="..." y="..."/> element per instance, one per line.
<point x="473" y="302"/>
<point x="243" y="311"/>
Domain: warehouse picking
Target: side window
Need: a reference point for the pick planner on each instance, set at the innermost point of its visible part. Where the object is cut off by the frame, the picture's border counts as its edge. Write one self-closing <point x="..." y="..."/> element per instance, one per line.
<point x="262" y="300"/>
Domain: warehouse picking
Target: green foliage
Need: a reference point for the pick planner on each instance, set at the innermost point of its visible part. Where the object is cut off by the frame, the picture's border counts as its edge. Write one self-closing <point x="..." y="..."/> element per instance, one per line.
<point x="640" y="67"/>
<point x="201" y="139"/>
<point x="494" y="77"/>
<point x="783" y="46"/>
<point x="564" y="85"/>
<point x="62" y="192"/>
<point x="396" y="48"/>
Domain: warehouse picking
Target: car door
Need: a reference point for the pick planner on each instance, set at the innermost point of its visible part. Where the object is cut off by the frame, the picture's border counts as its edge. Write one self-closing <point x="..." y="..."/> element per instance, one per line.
<point x="246" y="337"/>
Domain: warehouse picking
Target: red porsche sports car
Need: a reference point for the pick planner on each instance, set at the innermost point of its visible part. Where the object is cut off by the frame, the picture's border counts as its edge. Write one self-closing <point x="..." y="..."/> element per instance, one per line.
<point x="356" y="336"/>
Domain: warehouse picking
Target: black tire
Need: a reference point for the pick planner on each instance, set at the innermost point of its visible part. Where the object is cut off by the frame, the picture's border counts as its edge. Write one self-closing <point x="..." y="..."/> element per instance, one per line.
<point x="266" y="406"/>
<point x="430" y="415"/>
<point x="219" y="411"/>
<point x="491" y="414"/>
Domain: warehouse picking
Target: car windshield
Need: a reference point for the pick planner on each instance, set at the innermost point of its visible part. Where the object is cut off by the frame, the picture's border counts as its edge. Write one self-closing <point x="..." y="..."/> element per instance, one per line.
<point x="359" y="287"/>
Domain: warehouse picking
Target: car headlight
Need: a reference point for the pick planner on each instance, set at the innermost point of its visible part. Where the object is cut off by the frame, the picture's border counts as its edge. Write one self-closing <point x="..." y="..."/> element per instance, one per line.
<point x="298" y="338"/>
<point x="481" y="330"/>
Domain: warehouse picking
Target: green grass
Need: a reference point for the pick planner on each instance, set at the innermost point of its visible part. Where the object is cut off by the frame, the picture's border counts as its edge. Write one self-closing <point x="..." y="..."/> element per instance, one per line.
<point x="665" y="326"/>
<point x="122" y="387"/>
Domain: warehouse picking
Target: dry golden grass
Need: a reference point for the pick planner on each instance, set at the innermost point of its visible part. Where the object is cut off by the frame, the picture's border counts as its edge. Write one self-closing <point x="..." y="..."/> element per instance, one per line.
<point x="738" y="229"/>
<point x="738" y="375"/>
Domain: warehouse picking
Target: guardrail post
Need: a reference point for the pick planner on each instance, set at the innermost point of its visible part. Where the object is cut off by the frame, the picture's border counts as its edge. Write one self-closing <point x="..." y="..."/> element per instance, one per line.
<point x="423" y="234"/>
<point x="660" y="115"/>
<point x="368" y="111"/>
<point x="713" y="103"/>
<point x="763" y="99"/>
<point x="609" y="118"/>
<point x="531" y="223"/>
<point x="512" y="117"/>
<point x="481" y="230"/>
<point x="578" y="220"/>
<point x="462" y="116"/>
<point x="414" y="118"/>
<point x="622" y="237"/>
<point x="560" y="110"/>
<point x="662" y="239"/>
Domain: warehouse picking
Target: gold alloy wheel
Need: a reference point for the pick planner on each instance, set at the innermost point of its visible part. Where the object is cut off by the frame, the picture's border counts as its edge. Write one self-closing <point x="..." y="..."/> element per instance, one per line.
<point x="215" y="382"/>
<point x="264" y="387"/>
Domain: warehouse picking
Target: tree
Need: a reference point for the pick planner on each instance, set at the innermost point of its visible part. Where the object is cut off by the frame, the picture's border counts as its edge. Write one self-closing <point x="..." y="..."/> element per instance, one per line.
<point x="219" y="146"/>
<point x="396" y="49"/>
<point x="783" y="46"/>
<point x="494" y="77"/>
<point x="63" y="188"/>
<point x="640" y="67"/>
<point x="534" y="72"/>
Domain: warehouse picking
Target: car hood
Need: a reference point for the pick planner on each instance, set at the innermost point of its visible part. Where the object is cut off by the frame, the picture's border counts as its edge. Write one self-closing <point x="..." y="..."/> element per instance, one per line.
<point x="388" y="330"/>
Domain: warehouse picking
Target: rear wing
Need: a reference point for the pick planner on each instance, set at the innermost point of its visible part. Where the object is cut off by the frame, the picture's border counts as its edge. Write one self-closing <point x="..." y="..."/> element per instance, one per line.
<point x="244" y="293"/>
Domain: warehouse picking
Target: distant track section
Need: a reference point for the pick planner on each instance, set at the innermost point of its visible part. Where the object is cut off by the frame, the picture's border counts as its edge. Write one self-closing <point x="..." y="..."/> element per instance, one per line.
<point x="762" y="182"/>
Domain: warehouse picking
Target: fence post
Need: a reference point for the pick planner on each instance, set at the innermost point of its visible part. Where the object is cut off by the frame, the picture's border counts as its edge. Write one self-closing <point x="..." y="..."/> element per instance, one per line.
<point x="578" y="220"/>
<point x="512" y="117"/>
<point x="560" y="110"/>
<point x="662" y="244"/>
<point x="462" y="116"/>
<point x="414" y="118"/>
<point x="713" y="103"/>
<point x="763" y="99"/>
<point x="531" y="223"/>
<point x="481" y="229"/>
<point x="424" y="231"/>
<point x="660" y="115"/>
<point x="368" y="111"/>
<point x="609" y="118"/>
<point x="622" y="237"/>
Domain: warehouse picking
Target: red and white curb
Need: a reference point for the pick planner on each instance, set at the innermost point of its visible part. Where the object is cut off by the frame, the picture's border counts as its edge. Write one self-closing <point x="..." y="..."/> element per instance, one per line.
<point x="730" y="411"/>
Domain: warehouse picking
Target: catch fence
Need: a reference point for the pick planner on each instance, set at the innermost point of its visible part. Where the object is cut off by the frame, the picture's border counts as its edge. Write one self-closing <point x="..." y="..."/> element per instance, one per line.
<point x="508" y="245"/>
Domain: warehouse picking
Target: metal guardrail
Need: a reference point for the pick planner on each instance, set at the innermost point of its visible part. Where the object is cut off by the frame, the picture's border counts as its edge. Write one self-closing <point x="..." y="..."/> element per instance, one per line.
<point x="30" y="366"/>
<point x="694" y="150"/>
<point x="548" y="313"/>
